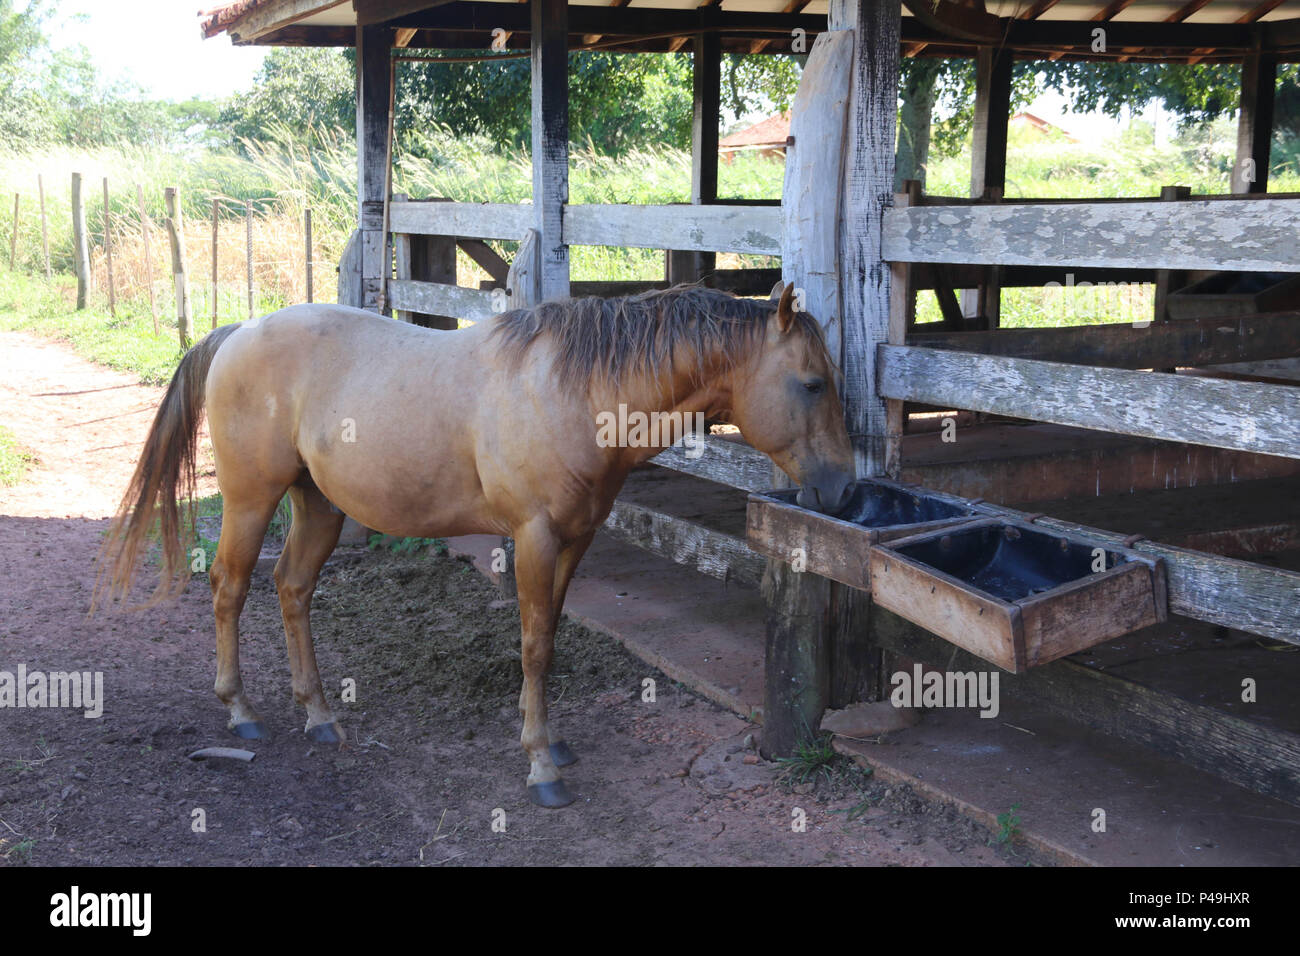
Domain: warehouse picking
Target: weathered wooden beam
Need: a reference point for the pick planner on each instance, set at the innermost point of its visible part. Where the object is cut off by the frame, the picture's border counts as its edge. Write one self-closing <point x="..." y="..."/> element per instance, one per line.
<point x="810" y="255"/>
<point x="462" y="219"/>
<point x="1192" y="342"/>
<point x="267" y="17"/>
<point x="374" y="95"/>
<point x="685" y="542"/>
<point x="814" y="169"/>
<point x="1255" y="123"/>
<point x="724" y="228"/>
<point x="1238" y="235"/>
<point x="992" y="114"/>
<point x="723" y="460"/>
<point x="1246" y="416"/>
<point x="370" y="12"/>
<point x="706" y="67"/>
<point x="988" y="174"/>
<point x="432" y="298"/>
<point x="867" y="188"/>
<point x="485" y="257"/>
<point x="550" y="132"/>
<point x="613" y="22"/>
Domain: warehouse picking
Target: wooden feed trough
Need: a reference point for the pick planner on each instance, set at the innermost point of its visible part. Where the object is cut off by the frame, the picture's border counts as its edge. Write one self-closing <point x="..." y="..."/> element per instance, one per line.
<point x="1014" y="594"/>
<point x="835" y="547"/>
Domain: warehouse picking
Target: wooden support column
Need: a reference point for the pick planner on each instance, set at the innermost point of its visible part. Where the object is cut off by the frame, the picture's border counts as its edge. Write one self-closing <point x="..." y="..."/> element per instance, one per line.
<point x="374" y="96"/>
<point x="988" y="174"/>
<point x="1255" y="123"/>
<point x="707" y="67"/>
<point x="839" y="178"/>
<point x="550" y="127"/>
<point x="1167" y="280"/>
<point x="867" y="187"/>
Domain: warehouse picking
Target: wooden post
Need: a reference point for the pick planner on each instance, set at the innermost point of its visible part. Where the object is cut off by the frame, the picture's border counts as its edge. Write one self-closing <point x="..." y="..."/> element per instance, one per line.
<point x="45" y="232"/>
<point x="988" y="175"/>
<point x="216" y="212"/>
<point x="1255" y="123"/>
<point x="80" y="246"/>
<point x="13" y="238"/>
<point x="148" y="259"/>
<point x="814" y="654"/>
<point x="867" y="188"/>
<point x="707" y="97"/>
<point x="306" y="221"/>
<point x="248" y="251"/>
<point x="374" y="75"/>
<point x="550" y="130"/>
<point x="1168" y="280"/>
<point x="180" y="277"/>
<point x="108" y="252"/>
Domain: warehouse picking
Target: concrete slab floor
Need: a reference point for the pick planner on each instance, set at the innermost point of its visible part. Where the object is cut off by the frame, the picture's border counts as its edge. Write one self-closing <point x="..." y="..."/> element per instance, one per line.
<point x="1057" y="773"/>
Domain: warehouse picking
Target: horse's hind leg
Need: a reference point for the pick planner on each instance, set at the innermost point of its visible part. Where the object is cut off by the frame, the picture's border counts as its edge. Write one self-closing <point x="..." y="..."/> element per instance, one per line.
<point x="243" y="526"/>
<point x="312" y="537"/>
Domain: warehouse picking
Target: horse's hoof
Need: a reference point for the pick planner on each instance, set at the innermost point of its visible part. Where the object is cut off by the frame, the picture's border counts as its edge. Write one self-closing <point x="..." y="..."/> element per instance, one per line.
<point x="249" y="730"/>
<point x="551" y="795"/>
<point x="563" y="754"/>
<point x="330" y="733"/>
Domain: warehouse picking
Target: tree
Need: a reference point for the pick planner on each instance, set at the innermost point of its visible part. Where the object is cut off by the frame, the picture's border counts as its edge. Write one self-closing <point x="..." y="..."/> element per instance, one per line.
<point x="296" y="90"/>
<point x="22" y="70"/>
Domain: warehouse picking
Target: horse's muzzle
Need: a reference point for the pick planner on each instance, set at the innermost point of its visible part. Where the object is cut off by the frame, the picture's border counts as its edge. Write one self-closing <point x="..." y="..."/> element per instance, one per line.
<point x="827" y="491"/>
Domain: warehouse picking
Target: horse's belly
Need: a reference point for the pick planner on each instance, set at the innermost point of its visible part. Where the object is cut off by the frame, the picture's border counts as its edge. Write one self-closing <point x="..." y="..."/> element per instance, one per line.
<point x="395" y="500"/>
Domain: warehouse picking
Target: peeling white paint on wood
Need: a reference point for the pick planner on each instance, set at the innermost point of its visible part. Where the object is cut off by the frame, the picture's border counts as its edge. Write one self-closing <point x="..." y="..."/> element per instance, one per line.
<point x="1238" y="235"/>
<point x="1246" y="416"/>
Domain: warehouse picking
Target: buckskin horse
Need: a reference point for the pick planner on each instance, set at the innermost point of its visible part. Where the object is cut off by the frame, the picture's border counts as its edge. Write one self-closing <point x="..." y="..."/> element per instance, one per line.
<point x="487" y="429"/>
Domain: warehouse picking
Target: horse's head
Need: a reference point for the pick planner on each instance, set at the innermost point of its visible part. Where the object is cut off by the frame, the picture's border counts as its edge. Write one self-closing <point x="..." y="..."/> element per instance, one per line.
<point x="785" y="403"/>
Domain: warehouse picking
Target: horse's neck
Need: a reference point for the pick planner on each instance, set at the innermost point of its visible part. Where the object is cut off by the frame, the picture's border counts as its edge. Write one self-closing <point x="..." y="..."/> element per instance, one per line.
<point x="684" y="389"/>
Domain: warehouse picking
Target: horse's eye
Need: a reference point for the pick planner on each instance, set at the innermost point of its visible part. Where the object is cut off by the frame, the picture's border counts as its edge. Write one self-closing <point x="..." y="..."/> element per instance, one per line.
<point x="815" y="387"/>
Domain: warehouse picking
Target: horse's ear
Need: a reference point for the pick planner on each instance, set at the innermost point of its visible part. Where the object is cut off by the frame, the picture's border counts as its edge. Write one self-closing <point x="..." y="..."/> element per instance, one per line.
<point x="776" y="291"/>
<point x="785" y="310"/>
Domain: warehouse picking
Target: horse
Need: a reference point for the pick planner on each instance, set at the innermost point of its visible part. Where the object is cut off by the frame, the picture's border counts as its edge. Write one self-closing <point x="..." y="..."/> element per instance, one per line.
<point x="431" y="433"/>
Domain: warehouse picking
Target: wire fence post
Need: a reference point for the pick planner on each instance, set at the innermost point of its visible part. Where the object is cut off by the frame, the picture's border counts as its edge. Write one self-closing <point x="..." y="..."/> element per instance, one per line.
<point x="148" y="262"/>
<point x="176" y="235"/>
<point x="248" y="240"/>
<point x="216" y="211"/>
<point x="108" y="252"/>
<point x="13" y="239"/>
<point x="80" y="248"/>
<point x="45" y="232"/>
<point x="307" y="223"/>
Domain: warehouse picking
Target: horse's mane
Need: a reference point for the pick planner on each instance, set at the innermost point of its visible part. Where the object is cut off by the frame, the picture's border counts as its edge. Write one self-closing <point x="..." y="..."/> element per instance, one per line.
<point x="607" y="339"/>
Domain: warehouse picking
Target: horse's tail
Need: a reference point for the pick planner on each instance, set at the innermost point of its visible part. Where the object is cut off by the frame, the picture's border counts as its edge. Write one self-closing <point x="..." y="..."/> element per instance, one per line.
<point x="166" y="469"/>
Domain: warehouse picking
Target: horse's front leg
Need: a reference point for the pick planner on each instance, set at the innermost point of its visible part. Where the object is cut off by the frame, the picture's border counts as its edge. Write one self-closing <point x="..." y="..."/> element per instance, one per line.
<point x="567" y="563"/>
<point x="537" y="551"/>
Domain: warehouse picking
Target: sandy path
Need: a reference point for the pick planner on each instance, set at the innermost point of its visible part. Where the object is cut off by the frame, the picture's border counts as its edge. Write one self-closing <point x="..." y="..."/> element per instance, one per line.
<point x="85" y="424"/>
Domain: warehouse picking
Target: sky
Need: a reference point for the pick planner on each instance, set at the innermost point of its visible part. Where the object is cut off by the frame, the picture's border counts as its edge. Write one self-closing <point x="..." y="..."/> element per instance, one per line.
<point x="156" y="44"/>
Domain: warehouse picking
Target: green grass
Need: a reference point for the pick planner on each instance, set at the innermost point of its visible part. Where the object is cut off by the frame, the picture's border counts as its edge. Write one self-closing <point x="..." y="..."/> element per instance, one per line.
<point x="14" y="459"/>
<point x="812" y="760"/>
<point x="1008" y="826"/>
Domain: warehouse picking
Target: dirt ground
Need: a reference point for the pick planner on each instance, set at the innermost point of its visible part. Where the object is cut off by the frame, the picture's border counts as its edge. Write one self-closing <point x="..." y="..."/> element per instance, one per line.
<point x="433" y="760"/>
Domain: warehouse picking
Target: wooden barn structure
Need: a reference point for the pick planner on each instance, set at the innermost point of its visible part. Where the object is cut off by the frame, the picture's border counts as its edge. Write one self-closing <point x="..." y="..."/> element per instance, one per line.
<point x="1177" y="441"/>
